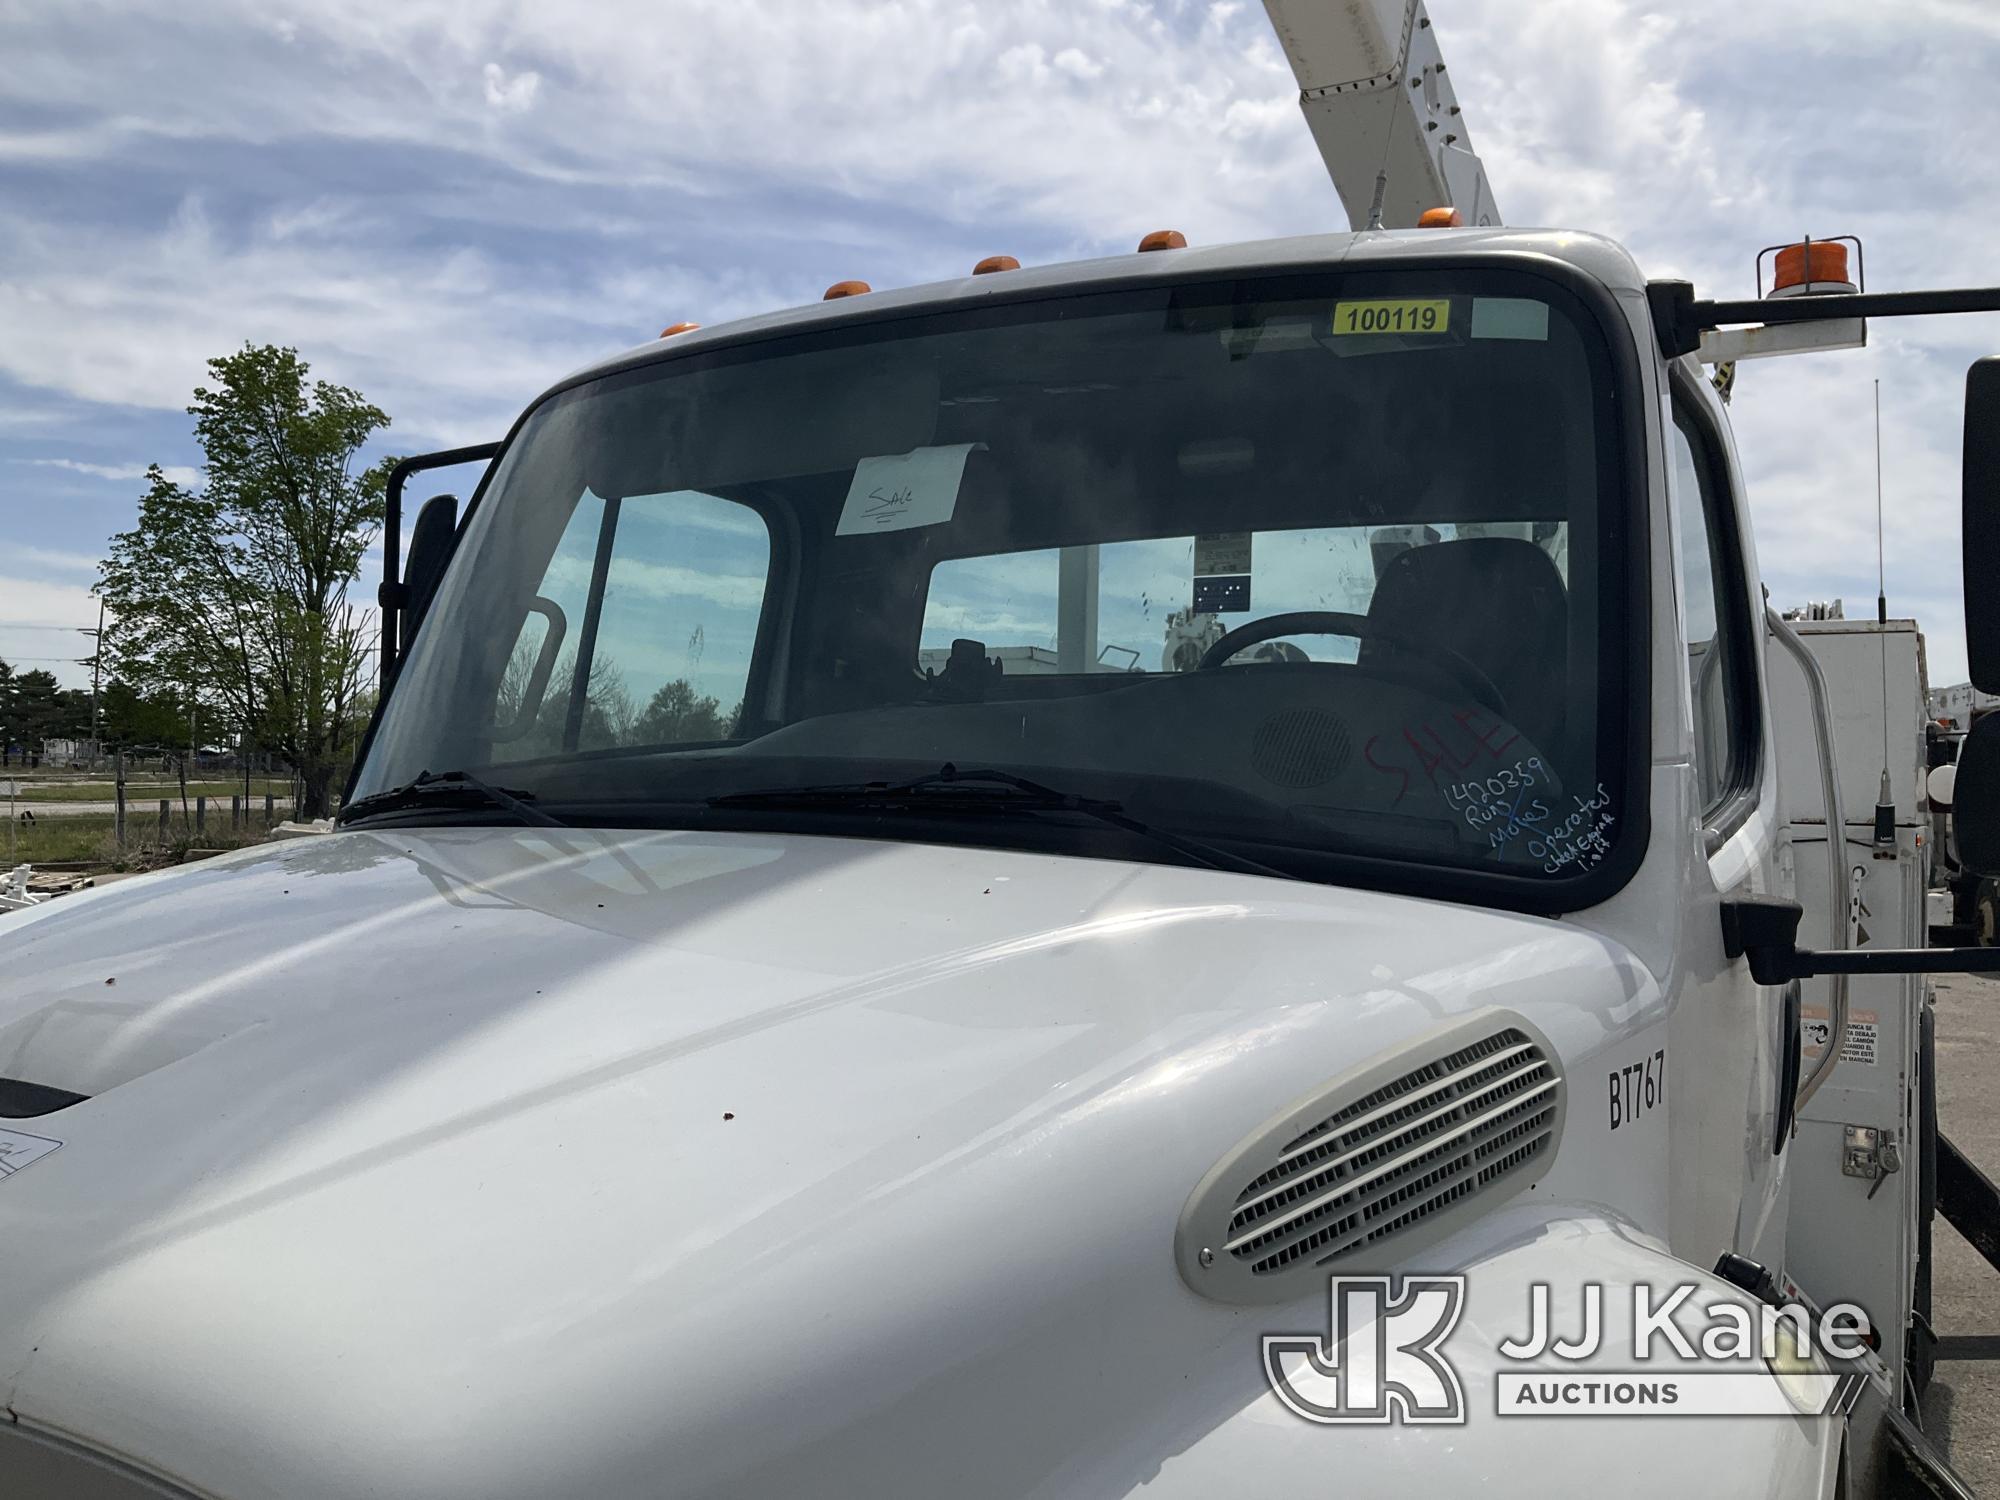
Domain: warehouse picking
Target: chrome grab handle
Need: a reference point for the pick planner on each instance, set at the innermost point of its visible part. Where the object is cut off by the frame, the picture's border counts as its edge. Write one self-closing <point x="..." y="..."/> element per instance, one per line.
<point x="1838" y="899"/>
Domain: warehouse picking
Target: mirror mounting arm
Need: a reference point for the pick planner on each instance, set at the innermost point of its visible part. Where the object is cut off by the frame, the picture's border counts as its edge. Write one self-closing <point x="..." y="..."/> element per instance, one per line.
<point x="394" y="594"/>
<point x="1899" y="961"/>
<point x="1764" y="929"/>
<point x="1766" y="310"/>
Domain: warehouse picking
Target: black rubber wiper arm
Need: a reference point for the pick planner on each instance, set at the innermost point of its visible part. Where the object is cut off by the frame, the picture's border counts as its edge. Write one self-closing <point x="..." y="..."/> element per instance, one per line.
<point x="443" y="787"/>
<point x="1028" y="795"/>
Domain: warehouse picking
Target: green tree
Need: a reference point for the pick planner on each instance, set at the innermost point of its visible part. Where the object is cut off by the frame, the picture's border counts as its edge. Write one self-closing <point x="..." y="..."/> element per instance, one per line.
<point x="35" y="707"/>
<point x="234" y="596"/>
<point x="607" y="714"/>
<point x="131" y="718"/>
<point x="676" y="715"/>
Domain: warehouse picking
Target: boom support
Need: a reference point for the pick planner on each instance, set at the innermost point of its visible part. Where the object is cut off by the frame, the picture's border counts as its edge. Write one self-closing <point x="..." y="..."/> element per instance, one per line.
<point x="1373" y="87"/>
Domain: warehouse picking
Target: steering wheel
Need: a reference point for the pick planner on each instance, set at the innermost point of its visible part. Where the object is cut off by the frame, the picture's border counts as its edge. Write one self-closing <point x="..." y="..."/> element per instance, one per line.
<point x="1339" y="622"/>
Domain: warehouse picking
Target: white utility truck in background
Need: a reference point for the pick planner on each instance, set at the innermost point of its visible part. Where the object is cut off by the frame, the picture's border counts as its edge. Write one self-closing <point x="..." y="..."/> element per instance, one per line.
<point x="797" y="1003"/>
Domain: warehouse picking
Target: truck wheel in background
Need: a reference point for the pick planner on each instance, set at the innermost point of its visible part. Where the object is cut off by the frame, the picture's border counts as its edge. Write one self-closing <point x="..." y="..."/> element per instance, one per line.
<point x="1964" y="890"/>
<point x="1986" y="915"/>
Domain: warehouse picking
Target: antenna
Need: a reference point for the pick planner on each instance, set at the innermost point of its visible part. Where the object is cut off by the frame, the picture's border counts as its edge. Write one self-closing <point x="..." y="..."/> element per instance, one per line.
<point x="1388" y="140"/>
<point x="1885" y="804"/>
<point x="1381" y="193"/>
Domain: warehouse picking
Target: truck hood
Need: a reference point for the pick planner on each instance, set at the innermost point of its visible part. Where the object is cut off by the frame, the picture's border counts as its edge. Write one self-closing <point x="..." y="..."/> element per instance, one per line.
<point x="508" y="1162"/>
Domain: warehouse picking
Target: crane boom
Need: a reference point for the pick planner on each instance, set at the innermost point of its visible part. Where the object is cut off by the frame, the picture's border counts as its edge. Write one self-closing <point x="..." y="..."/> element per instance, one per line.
<point x="1373" y="87"/>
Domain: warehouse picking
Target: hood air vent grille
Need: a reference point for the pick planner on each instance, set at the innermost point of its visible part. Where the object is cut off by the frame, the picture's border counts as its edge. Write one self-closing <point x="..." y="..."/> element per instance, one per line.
<point x="1396" y="1155"/>
<point x="1415" y="1142"/>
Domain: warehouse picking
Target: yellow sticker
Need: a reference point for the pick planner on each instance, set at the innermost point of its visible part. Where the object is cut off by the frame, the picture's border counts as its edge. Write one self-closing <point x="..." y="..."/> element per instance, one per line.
<point x="1393" y="315"/>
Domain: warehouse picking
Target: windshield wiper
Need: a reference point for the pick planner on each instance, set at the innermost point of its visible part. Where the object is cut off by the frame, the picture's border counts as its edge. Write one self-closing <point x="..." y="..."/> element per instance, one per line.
<point x="985" y="789"/>
<point x="445" y="788"/>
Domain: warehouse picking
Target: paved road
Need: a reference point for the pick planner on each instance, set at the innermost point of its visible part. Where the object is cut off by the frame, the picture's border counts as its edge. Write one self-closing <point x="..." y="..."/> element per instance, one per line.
<point x="1964" y="1400"/>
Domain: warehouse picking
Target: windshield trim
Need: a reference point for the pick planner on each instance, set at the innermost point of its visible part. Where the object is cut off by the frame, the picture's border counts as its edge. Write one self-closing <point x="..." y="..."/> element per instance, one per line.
<point x="1625" y="612"/>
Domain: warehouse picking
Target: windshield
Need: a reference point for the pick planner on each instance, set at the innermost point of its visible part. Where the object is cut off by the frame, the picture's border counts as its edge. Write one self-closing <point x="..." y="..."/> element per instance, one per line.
<point x="1321" y="568"/>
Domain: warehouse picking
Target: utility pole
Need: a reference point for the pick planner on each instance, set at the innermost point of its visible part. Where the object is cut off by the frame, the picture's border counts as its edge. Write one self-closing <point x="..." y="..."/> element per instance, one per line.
<point x="96" y="666"/>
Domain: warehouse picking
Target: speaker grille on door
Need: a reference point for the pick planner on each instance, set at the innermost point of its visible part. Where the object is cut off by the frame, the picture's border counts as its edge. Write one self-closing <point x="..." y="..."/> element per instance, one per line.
<point x="1301" y="747"/>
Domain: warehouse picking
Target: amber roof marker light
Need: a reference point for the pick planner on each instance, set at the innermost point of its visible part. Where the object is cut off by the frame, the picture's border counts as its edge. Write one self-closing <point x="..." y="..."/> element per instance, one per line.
<point x="994" y="263"/>
<point x="1440" y="218"/>
<point x="673" y="328"/>
<point x="846" y="289"/>
<point x="1164" y="239"/>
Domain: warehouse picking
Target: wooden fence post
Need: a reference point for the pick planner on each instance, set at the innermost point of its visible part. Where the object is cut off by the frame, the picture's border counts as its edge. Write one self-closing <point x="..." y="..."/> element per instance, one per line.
<point x="200" y="815"/>
<point x="118" y="817"/>
<point x="166" y="810"/>
<point x="270" y="809"/>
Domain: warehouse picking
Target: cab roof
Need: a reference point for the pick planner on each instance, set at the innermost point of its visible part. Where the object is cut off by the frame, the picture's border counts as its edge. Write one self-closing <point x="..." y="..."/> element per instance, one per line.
<point x="1600" y="258"/>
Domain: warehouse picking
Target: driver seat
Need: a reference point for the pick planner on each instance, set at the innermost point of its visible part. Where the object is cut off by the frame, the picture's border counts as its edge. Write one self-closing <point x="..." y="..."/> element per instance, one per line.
<point x="1497" y="601"/>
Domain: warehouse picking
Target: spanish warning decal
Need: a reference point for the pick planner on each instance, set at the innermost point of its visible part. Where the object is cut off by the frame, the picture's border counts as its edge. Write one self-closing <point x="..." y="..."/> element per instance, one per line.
<point x="1864" y="1031"/>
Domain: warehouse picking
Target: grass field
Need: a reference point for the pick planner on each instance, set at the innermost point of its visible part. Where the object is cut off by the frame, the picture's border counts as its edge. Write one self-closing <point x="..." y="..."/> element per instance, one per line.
<point x="55" y="839"/>
<point x="143" y="792"/>
<point x="87" y="836"/>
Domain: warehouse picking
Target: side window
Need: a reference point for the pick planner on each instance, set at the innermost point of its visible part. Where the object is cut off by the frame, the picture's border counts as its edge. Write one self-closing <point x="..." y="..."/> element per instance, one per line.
<point x="1719" y="638"/>
<point x="654" y="602"/>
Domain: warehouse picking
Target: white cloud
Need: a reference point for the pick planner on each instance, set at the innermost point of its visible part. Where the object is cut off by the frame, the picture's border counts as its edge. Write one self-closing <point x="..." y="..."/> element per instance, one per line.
<point x="322" y="216"/>
<point x="36" y="602"/>
<point x="52" y="560"/>
<point x="1025" y="63"/>
<point x="511" y="95"/>
<point x="633" y="575"/>
<point x="995" y="626"/>
<point x="179" y="474"/>
<point x="871" y="98"/>
<point x="873" y="105"/>
<point x="1078" y="64"/>
<point x="1579" y="111"/>
<point x="40" y="623"/>
<point x="34" y="419"/>
<point x="356" y="314"/>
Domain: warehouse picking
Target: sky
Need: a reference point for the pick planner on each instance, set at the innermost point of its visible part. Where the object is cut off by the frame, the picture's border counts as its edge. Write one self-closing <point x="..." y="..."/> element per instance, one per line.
<point x="450" y="205"/>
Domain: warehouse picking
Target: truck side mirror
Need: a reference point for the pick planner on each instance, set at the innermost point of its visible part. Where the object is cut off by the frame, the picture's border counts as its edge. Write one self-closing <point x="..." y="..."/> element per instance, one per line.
<point x="398" y="622"/>
<point x="1979" y="500"/>
<point x="1975" y="813"/>
<point x="431" y="543"/>
<point x="1975" y="806"/>
<point x="1764" y="929"/>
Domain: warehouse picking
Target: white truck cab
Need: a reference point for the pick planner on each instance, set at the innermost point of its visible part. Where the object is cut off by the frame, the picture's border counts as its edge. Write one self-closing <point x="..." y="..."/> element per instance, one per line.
<point x="932" y="869"/>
